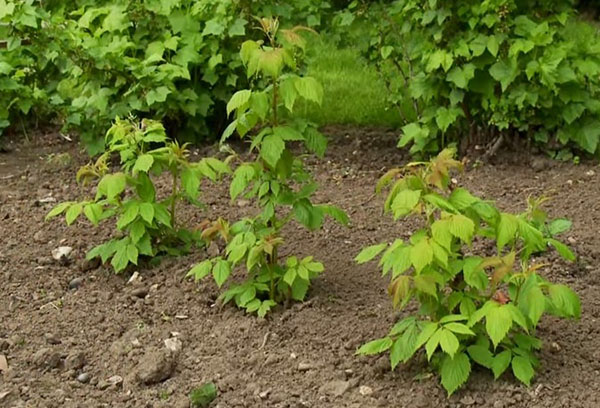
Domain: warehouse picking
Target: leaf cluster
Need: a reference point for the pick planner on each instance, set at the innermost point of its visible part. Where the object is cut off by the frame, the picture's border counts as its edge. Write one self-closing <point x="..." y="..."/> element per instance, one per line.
<point x="475" y="306"/>
<point x="276" y="179"/>
<point x="466" y="71"/>
<point x="147" y="225"/>
<point x="176" y="61"/>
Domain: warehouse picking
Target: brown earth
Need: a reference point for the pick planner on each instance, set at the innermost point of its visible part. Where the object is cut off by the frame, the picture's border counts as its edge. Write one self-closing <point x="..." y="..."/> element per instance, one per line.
<point x="299" y="357"/>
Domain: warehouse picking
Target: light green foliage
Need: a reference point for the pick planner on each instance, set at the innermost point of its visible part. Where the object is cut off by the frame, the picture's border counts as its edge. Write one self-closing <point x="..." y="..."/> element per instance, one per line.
<point x="277" y="179"/>
<point x="482" y="308"/>
<point x="473" y="70"/>
<point x="147" y="225"/>
<point x="202" y="396"/>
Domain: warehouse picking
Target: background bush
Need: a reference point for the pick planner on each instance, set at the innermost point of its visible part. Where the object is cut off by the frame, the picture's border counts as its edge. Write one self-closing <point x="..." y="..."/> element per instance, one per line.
<point x="474" y="70"/>
<point x="91" y="61"/>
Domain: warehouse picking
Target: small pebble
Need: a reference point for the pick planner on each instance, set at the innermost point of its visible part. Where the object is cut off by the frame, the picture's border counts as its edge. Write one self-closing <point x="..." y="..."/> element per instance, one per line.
<point x="140" y="292"/>
<point x="365" y="390"/>
<point x="75" y="283"/>
<point x="305" y="366"/>
<point x="83" y="378"/>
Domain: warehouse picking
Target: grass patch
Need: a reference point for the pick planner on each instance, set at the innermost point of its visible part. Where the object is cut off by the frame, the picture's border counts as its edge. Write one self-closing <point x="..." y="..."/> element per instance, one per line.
<point x="354" y="93"/>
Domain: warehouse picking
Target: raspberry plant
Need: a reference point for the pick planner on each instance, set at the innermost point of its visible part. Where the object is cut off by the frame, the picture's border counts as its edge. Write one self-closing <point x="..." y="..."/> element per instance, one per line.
<point x="148" y="225"/>
<point x="276" y="179"/>
<point x="474" y="307"/>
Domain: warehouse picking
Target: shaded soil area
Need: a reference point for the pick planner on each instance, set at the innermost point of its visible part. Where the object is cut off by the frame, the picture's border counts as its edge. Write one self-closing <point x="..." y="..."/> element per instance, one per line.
<point x="87" y="342"/>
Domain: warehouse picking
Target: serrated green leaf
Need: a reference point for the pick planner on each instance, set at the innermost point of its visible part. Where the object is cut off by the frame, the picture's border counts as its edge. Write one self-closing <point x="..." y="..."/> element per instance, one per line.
<point x="448" y="341"/>
<point x="481" y="355"/>
<point x="239" y="99"/>
<point x="405" y="202"/>
<point x="459" y="328"/>
<point x="563" y="250"/>
<point x="426" y="332"/>
<point x="500" y="363"/>
<point x="143" y="163"/>
<point x="73" y="213"/>
<point x="455" y="372"/>
<point x="462" y="227"/>
<point x="507" y="229"/>
<point x="369" y="253"/>
<point x="309" y="88"/>
<point x="271" y="149"/>
<point x="221" y="272"/>
<point x="375" y="346"/>
<point x="559" y="225"/>
<point x="565" y="301"/>
<point x="433" y="343"/>
<point x="146" y="211"/>
<point x="201" y="270"/>
<point x="522" y="369"/>
<point x="498" y="322"/>
<point x="421" y="254"/>
<point x="93" y="212"/>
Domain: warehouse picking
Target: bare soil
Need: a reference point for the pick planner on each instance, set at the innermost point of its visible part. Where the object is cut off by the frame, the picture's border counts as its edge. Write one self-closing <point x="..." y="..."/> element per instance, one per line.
<point x="298" y="357"/>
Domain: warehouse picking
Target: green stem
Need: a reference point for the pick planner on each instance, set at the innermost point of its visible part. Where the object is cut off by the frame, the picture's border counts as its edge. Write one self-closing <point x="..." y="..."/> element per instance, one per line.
<point x="275" y="101"/>
<point x="174" y="193"/>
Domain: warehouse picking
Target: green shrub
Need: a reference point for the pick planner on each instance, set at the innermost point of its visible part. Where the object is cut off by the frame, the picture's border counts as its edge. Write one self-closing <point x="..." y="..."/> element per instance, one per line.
<point x="147" y="225"/>
<point x="475" y="307"/>
<point x="91" y="61"/>
<point x="475" y="70"/>
<point x="277" y="179"/>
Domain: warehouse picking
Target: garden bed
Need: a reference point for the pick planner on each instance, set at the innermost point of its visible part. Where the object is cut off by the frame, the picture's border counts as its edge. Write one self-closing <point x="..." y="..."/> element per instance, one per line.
<point x="302" y="356"/>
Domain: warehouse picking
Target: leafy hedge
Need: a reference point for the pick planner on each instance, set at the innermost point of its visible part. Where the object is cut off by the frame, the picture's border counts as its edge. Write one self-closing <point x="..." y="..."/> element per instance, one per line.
<point x="475" y="69"/>
<point x="91" y="61"/>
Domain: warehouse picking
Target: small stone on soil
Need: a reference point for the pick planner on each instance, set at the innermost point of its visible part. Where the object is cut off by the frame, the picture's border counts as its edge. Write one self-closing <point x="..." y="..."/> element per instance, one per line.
<point x="335" y="388"/>
<point x="154" y="367"/>
<point x="75" y="361"/>
<point x="365" y="390"/>
<point x="75" y="283"/>
<point x="467" y="400"/>
<point x="305" y="366"/>
<point x="52" y="339"/>
<point x="140" y="292"/>
<point x="173" y="345"/>
<point x="83" y="378"/>
<point x="3" y="363"/>
<point x="46" y="358"/>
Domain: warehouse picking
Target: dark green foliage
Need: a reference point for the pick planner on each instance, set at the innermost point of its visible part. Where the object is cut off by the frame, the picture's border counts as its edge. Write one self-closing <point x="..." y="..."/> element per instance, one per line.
<point x="474" y="308"/>
<point x="475" y="70"/>
<point x="148" y="225"/>
<point x="91" y="61"/>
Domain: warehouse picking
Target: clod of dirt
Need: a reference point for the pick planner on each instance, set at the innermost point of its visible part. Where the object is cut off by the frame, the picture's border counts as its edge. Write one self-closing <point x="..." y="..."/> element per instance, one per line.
<point x="51" y="339"/>
<point x="86" y="265"/>
<point x="365" y="390"/>
<point x="113" y="382"/>
<point x="335" y="388"/>
<point x="305" y="366"/>
<point x="467" y="400"/>
<point x="75" y="283"/>
<point x="173" y="345"/>
<point x="38" y="237"/>
<point x="61" y="254"/>
<point x="75" y="360"/>
<point x="3" y="363"/>
<point x="4" y="345"/>
<point x="46" y="358"/>
<point x="124" y="345"/>
<point x="140" y="292"/>
<point x="154" y="367"/>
